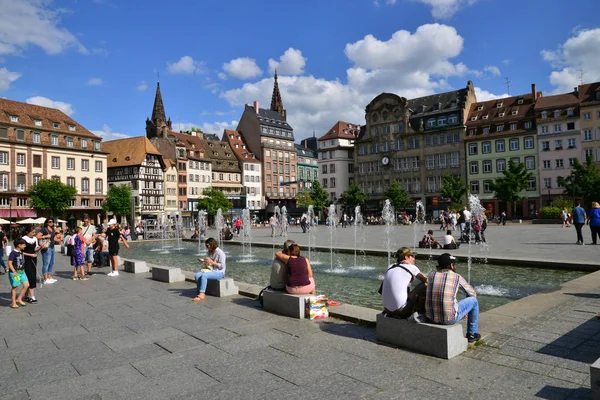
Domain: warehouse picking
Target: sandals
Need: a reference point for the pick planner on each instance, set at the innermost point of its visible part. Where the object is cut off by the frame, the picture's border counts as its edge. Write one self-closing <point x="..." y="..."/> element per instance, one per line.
<point x="333" y="303"/>
<point x="21" y="303"/>
<point x="199" y="298"/>
<point x="14" y="306"/>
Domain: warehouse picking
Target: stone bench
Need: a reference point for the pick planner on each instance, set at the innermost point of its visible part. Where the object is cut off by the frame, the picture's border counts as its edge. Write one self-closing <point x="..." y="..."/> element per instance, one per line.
<point x="595" y="379"/>
<point x="58" y="248"/>
<point x="136" y="266"/>
<point x="63" y="251"/>
<point x="443" y="341"/>
<point x="167" y="274"/>
<point x="290" y="305"/>
<point x="221" y="288"/>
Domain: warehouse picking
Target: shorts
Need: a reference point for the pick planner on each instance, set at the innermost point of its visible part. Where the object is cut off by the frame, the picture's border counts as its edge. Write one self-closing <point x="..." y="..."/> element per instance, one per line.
<point x="113" y="250"/>
<point x="19" y="280"/>
<point x="89" y="254"/>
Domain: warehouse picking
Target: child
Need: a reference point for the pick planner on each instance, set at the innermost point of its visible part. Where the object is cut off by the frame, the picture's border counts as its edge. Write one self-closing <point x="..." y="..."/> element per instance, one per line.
<point x="78" y="257"/>
<point x="17" y="276"/>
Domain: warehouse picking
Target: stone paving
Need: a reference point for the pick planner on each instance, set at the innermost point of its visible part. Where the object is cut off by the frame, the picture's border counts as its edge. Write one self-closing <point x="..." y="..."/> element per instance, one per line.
<point x="131" y="337"/>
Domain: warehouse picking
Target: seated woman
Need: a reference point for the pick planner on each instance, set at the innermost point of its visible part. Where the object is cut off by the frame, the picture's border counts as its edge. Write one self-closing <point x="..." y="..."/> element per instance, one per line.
<point x="449" y="241"/>
<point x="227" y="234"/>
<point x="299" y="277"/>
<point x="428" y="242"/>
<point x="214" y="267"/>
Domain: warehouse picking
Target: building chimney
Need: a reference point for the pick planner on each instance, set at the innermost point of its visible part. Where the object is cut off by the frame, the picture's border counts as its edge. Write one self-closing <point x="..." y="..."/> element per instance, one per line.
<point x="256" y="106"/>
<point x="533" y="92"/>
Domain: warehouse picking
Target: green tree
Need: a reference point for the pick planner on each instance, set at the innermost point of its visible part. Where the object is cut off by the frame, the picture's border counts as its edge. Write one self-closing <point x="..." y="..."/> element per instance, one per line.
<point x="583" y="181"/>
<point x="51" y="195"/>
<point x="213" y="200"/>
<point x="319" y="197"/>
<point x="353" y="197"/>
<point x="118" y="200"/>
<point x="455" y="190"/>
<point x="303" y="199"/>
<point x="508" y="187"/>
<point x="397" y="196"/>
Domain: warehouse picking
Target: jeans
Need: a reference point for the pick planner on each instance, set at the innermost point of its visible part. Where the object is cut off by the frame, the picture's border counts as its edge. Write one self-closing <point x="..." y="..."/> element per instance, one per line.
<point x="578" y="227"/>
<point x="469" y="306"/>
<point x="2" y="258"/>
<point x="595" y="231"/>
<point x="47" y="261"/>
<point x="203" y="277"/>
<point x="102" y="258"/>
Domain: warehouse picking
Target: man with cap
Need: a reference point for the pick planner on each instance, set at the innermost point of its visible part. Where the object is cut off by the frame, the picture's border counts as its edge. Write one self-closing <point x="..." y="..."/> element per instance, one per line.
<point x="441" y="304"/>
<point x="113" y="235"/>
<point x="398" y="300"/>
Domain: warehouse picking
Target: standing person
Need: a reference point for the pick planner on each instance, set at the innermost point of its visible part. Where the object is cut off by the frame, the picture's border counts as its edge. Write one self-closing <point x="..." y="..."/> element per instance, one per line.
<point x="273" y="223"/>
<point x="461" y="222"/>
<point x="299" y="276"/>
<point x="78" y="254"/>
<point x="238" y="226"/>
<point x="594" y="221"/>
<point x="467" y="215"/>
<point x="113" y="235"/>
<point x="47" y="235"/>
<point x="89" y="233"/>
<point x="579" y="217"/>
<point x="503" y="217"/>
<point x="3" y="242"/>
<point x="17" y="275"/>
<point x="214" y="267"/>
<point x="565" y="218"/>
<point x="30" y="252"/>
<point x="441" y="304"/>
<point x="454" y="216"/>
<point x="279" y="269"/>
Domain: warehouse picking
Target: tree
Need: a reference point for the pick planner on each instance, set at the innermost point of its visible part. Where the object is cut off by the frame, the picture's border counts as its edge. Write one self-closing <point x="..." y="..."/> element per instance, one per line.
<point x="213" y="200"/>
<point x="51" y="195"/>
<point x="397" y="196"/>
<point x="508" y="187"/>
<point x="303" y="199"/>
<point x="583" y="181"/>
<point x="353" y="197"/>
<point x="118" y="200"/>
<point x="454" y="189"/>
<point x="319" y="197"/>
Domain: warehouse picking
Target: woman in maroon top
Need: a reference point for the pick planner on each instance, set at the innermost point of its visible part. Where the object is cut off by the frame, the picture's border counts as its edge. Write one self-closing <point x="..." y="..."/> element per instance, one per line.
<point x="300" y="277"/>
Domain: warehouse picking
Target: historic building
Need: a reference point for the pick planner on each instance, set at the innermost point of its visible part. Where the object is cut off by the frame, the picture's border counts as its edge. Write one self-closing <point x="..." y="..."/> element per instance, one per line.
<point x="308" y="168"/>
<point x="170" y="185"/>
<point x="559" y="140"/>
<point x="589" y="97"/>
<point x="336" y="158"/>
<point x="415" y="142"/>
<point x="135" y="162"/>
<point x="499" y="131"/>
<point x="251" y="169"/>
<point x="158" y="125"/>
<point x="44" y="143"/>
<point x="271" y="139"/>
<point x="226" y="172"/>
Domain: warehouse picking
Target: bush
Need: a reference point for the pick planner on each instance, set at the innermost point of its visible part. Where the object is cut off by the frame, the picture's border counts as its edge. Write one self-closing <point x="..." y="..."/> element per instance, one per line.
<point x="562" y="202"/>
<point x="550" y="213"/>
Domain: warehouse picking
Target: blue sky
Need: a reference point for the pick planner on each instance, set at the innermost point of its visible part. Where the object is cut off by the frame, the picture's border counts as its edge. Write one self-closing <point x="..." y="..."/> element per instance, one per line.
<point x="98" y="59"/>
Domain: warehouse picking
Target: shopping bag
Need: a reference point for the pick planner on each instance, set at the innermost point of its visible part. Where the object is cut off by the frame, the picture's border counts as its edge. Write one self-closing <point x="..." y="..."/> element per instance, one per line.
<point x="317" y="307"/>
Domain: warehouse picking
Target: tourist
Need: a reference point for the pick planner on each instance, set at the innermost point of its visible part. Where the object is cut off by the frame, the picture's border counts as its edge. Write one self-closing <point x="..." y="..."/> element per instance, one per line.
<point x="273" y="223"/>
<point x="214" y="267"/>
<point x="279" y="269"/>
<point x="565" y="218"/>
<point x="461" y="222"/>
<point x="467" y="215"/>
<point x="594" y="221"/>
<point x="17" y="275"/>
<point x="398" y="300"/>
<point x="47" y="235"/>
<point x="78" y="255"/>
<point x="101" y="250"/>
<point x="89" y="233"/>
<point x="428" y="241"/>
<point x="579" y="217"/>
<point x="441" y="304"/>
<point x="226" y="234"/>
<point x="238" y="226"/>
<point x="503" y="217"/>
<point x="3" y="242"/>
<point x="454" y="217"/>
<point x="299" y="273"/>
<point x="450" y="242"/>
<point x="114" y="235"/>
<point x="30" y="252"/>
<point x="479" y="226"/>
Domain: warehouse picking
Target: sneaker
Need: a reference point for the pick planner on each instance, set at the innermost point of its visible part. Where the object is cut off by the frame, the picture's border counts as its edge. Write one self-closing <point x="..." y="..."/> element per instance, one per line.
<point x="85" y="278"/>
<point x="115" y="273"/>
<point x="473" y="337"/>
<point x="31" y="300"/>
<point x="112" y="273"/>
<point x="26" y="299"/>
<point x="49" y="281"/>
<point x="75" y="278"/>
<point x="416" y="318"/>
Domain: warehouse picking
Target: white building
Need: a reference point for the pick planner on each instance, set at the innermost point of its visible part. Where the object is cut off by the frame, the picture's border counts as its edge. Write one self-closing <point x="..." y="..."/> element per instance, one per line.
<point x="170" y="185"/>
<point x="251" y="169"/>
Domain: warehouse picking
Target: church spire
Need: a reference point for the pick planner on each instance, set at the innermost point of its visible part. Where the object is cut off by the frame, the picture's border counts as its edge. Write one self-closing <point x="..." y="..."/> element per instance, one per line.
<point x="158" y="112"/>
<point x="276" y="102"/>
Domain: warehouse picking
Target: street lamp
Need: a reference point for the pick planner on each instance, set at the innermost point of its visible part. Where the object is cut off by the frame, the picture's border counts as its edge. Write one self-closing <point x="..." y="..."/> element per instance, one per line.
<point x="10" y="199"/>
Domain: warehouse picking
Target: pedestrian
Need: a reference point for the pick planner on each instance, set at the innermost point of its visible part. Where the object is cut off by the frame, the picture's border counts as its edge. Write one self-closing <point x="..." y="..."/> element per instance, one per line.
<point x="89" y="233"/>
<point x="30" y="252"/>
<point x="238" y="226"/>
<point x="17" y="275"/>
<point x="47" y="235"/>
<point x="273" y="223"/>
<point x="114" y="235"/>
<point x="3" y="242"/>
<point x="594" y="221"/>
<point x="78" y="254"/>
<point x="565" y="218"/>
<point x="579" y="217"/>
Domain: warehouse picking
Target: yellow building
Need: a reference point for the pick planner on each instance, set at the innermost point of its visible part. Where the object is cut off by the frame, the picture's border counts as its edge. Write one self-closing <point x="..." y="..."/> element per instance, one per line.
<point x="589" y="96"/>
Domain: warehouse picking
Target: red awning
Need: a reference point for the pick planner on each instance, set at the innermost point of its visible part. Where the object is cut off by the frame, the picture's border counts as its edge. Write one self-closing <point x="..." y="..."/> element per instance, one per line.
<point x="19" y="213"/>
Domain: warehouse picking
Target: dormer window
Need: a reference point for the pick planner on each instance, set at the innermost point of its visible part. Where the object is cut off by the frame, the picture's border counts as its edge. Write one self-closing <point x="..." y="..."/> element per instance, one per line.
<point x="72" y="128"/>
<point x="237" y="146"/>
<point x="479" y="108"/>
<point x="37" y="122"/>
<point x="14" y="118"/>
<point x="436" y="106"/>
<point x="69" y="141"/>
<point x="499" y="104"/>
<point x="56" y="125"/>
<point x="556" y="113"/>
<point x="501" y="114"/>
<point x="520" y="101"/>
<point x="485" y="117"/>
<point x="423" y="108"/>
<point x="544" y="114"/>
<point x="514" y="112"/>
<point x="230" y="136"/>
<point x="569" y="112"/>
<point x="243" y="146"/>
<point x="474" y="118"/>
<point x="454" y="103"/>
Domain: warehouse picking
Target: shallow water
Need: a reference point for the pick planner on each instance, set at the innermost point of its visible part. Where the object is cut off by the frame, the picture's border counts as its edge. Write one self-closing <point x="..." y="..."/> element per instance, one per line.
<point x="495" y="284"/>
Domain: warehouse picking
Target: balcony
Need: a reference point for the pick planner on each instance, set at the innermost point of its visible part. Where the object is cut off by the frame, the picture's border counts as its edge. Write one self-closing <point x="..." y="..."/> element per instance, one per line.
<point x="19" y="188"/>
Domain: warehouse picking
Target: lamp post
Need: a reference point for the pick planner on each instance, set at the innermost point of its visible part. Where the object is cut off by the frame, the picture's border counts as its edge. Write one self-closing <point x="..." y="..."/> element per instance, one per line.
<point x="10" y="217"/>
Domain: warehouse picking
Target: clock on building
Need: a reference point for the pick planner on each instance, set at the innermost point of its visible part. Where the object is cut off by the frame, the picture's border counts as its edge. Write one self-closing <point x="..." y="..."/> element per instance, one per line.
<point x="385" y="160"/>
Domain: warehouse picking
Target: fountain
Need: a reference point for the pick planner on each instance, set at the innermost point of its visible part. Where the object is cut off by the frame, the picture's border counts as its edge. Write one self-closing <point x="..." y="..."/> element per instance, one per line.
<point x="220" y="224"/>
<point x="310" y="215"/>
<point x="420" y="221"/>
<point x="477" y="212"/>
<point x="201" y="232"/>
<point x="358" y="226"/>
<point x="284" y="222"/>
<point x="277" y="215"/>
<point x="246" y="233"/>
<point x="389" y="217"/>
<point x="175" y="216"/>
<point x="331" y="221"/>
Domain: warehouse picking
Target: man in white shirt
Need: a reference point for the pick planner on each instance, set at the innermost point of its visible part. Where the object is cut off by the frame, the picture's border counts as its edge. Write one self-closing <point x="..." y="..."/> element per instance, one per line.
<point x="467" y="229"/>
<point x="397" y="301"/>
<point x="89" y="233"/>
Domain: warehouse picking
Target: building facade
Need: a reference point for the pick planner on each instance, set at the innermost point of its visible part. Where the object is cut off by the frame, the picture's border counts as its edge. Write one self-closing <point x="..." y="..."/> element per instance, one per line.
<point x="44" y="143"/>
<point x="589" y="97"/>
<point x="226" y="173"/>
<point x="308" y="168"/>
<point x="170" y="185"/>
<point x="251" y="169"/>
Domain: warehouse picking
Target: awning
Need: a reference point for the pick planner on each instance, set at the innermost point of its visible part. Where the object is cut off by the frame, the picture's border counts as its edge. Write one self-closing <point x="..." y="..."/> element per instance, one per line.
<point x="17" y="213"/>
<point x="228" y="185"/>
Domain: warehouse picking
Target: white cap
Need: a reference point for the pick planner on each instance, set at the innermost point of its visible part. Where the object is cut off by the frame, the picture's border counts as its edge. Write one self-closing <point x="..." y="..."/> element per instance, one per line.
<point x="112" y="221"/>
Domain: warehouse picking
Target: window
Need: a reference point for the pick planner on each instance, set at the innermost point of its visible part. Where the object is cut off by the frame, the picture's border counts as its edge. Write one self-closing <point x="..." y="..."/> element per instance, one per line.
<point x="453" y="119"/>
<point x="14" y="118"/>
<point x="430" y="162"/>
<point x="3" y="157"/>
<point x="547" y="164"/>
<point x="72" y="128"/>
<point x="324" y="169"/>
<point x="527" y="124"/>
<point x="85" y="185"/>
<point x="544" y="129"/>
<point x="513" y="127"/>
<point x="588" y="135"/>
<point x="98" y="185"/>
<point x="83" y="143"/>
<point x="558" y="144"/>
<point x="487" y="167"/>
<point x="70" y="163"/>
<point x="442" y="160"/>
<point x="531" y="184"/>
<point x="69" y="141"/>
<point x="571" y="143"/>
<point x="56" y="125"/>
<point x="4" y="185"/>
<point x="500" y="165"/>
<point x="530" y="162"/>
<point x="55" y="162"/>
<point x="37" y="161"/>
<point x="499" y="146"/>
<point x="486" y="130"/>
<point x="559" y="163"/>
<point x="514" y="112"/>
<point x="571" y="162"/>
<point x="486" y="147"/>
<point x="36" y="179"/>
<point x="514" y="144"/>
<point x="528" y="142"/>
<point x="499" y="128"/>
<point x="474" y="167"/>
<point x="442" y="121"/>
<point x="20" y="134"/>
<point x="96" y="145"/>
<point x="454" y="159"/>
<point x="589" y="153"/>
<point x="332" y="183"/>
<point x="570" y="126"/>
<point x="557" y="128"/>
<point x="556" y="113"/>
<point x="548" y="183"/>
<point x="85" y="165"/>
<point x="85" y="202"/>
<point x="36" y="137"/>
<point x="473" y="148"/>
<point x="331" y="168"/>
<point x="71" y="181"/>
<point x="474" y="186"/>
<point x="484" y="117"/>
<point x="431" y="123"/>
<point x="487" y="187"/>
<point x="546" y="146"/>
<point x="544" y="114"/>
<point x="21" y="159"/>
<point x="54" y="140"/>
<point x="516" y="160"/>
<point x="558" y="183"/>
<point x="98" y="166"/>
<point x="587" y="116"/>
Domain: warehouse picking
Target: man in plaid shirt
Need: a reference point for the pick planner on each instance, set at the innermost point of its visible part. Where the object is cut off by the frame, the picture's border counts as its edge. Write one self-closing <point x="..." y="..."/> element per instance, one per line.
<point x="441" y="305"/>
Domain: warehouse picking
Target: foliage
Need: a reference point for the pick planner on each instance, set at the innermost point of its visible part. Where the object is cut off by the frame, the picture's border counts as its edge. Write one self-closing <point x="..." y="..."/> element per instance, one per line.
<point x="213" y="200"/>
<point x="583" y="181"/>
<point x="353" y="197"/>
<point x="51" y="195"/>
<point x="455" y="190"/>
<point x="118" y="200"/>
<point x="397" y="196"/>
<point x="563" y="202"/>
<point x="319" y="197"/>
<point x="550" y="213"/>
<point x="303" y="199"/>
<point x="509" y="186"/>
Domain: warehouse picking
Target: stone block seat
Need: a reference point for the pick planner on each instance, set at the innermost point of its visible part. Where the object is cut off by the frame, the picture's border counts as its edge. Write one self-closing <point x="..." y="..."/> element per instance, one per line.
<point x="136" y="266"/>
<point x="167" y="274"/>
<point x="221" y="288"/>
<point x="595" y="379"/>
<point x="443" y="341"/>
<point x="290" y="305"/>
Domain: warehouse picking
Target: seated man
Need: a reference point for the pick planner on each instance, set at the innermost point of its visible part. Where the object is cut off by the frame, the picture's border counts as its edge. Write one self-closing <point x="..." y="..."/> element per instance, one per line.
<point x="450" y="242"/>
<point x="101" y="251"/>
<point x="227" y="234"/>
<point x="398" y="300"/>
<point x="279" y="270"/>
<point x="442" y="306"/>
<point x="429" y="242"/>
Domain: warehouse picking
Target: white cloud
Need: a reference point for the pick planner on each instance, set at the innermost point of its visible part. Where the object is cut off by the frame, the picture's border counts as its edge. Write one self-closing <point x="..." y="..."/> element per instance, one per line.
<point x="495" y="71"/>
<point x="292" y="62"/>
<point x="578" y="54"/>
<point x="95" y="82"/>
<point x="242" y="68"/>
<point x="207" y="127"/>
<point x="107" y="134"/>
<point x="222" y="76"/>
<point x="142" y="86"/>
<point x="46" y="102"/>
<point x="441" y="9"/>
<point x="33" y="23"/>
<point x="185" y="65"/>
<point x="484" y="95"/>
<point x="7" y="77"/>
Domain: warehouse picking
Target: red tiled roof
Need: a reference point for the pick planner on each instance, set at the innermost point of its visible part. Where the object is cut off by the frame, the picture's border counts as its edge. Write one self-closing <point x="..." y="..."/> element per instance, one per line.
<point x="128" y="152"/>
<point x="238" y="146"/>
<point x="342" y="130"/>
<point x="191" y="142"/>
<point x="587" y="92"/>
<point x="492" y="112"/>
<point x="565" y="99"/>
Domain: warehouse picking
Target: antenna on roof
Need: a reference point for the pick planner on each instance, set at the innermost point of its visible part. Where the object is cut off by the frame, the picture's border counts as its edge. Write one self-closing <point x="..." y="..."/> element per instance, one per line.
<point x="507" y="82"/>
<point x="157" y="76"/>
<point x="581" y="74"/>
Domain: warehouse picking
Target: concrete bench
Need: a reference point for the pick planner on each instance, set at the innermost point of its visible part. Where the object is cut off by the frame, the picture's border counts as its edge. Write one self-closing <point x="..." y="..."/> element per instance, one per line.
<point x="290" y="305"/>
<point x="221" y="288"/>
<point x="167" y="274"/>
<point x="595" y="379"/>
<point x="64" y="250"/>
<point x="136" y="266"/>
<point x="443" y="341"/>
<point x="58" y="248"/>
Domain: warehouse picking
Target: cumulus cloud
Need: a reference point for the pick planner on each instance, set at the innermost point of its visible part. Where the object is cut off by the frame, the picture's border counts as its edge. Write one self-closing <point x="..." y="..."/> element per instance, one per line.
<point x="34" y="23"/>
<point x="495" y="71"/>
<point x="107" y="134"/>
<point x="95" y="82"/>
<point x="207" y="127"/>
<point x="292" y="62"/>
<point x="442" y="9"/>
<point x="576" y="55"/>
<point x="46" y="102"/>
<point x="242" y="68"/>
<point x="142" y="86"/>
<point x="7" y="77"/>
<point x="484" y="95"/>
<point x="185" y="65"/>
<point x="222" y="76"/>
